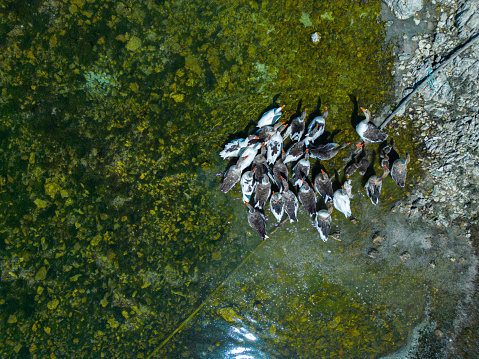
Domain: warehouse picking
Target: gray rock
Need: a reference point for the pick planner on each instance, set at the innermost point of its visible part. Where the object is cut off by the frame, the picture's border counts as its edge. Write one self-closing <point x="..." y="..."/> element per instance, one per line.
<point x="404" y="9"/>
<point x="467" y="18"/>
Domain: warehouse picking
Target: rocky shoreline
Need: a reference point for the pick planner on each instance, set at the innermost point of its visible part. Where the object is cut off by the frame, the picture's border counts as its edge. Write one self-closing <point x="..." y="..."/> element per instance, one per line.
<point x="445" y="117"/>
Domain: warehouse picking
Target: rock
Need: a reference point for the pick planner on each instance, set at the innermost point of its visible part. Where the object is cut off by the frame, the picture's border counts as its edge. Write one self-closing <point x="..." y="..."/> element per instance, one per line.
<point x="377" y="238"/>
<point x="405" y="256"/>
<point x="336" y="236"/>
<point x="404" y="9"/>
<point x="315" y="37"/>
<point x="467" y="18"/>
<point x="373" y="253"/>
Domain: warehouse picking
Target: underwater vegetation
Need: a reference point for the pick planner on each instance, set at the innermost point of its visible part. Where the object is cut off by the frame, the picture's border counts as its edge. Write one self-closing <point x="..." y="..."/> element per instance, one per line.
<point x="111" y="117"/>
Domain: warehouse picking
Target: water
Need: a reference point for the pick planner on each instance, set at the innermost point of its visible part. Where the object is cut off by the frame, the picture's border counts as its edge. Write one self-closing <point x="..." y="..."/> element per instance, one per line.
<point x="300" y="297"/>
<point x="112" y="227"/>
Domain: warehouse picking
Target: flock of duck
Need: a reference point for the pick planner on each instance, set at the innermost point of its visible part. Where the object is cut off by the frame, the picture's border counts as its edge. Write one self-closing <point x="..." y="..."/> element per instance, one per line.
<point x="266" y="162"/>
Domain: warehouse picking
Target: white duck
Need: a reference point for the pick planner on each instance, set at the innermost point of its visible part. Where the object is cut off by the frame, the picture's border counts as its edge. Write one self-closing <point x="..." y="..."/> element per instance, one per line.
<point x="342" y="203"/>
<point x="270" y="117"/>
<point x="249" y="154"/>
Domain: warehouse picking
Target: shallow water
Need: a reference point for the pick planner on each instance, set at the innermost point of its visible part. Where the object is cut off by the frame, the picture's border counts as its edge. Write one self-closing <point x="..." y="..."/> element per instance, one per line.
<point x="299" y="297"/>
<point x="112" y="227"/>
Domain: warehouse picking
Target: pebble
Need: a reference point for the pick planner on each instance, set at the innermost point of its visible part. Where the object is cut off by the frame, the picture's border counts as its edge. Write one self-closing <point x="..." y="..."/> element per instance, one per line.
<point x="373" y="253"/>
<point x="377" y="238"/>
<point x="405" y="256"/>
<point x="336" y="236"/>
<point x="315" y="37"/>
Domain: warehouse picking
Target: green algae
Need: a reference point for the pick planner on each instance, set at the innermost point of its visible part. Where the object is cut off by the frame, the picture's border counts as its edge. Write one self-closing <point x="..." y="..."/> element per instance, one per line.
<point x="110" y="112"/>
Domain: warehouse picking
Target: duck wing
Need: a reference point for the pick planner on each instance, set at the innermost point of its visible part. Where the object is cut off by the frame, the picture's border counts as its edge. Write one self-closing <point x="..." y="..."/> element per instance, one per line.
<point x="374" y="134"/>
<point x="232" y="177"/>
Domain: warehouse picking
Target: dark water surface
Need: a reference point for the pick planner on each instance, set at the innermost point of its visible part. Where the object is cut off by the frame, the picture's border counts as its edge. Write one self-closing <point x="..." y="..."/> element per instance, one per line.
<point x="112" y="228"/>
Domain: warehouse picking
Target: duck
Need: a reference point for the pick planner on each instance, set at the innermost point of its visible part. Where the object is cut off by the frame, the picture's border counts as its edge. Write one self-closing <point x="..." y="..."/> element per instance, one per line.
<point x="234" y="148"/>
<point x="319" y="121"/>
<point x="326" y="152"/>
<point x="291" y="204"/>
<point x="295" y="152"/>
<point x="301" y="170"/>
<point x="259" y="165"/>
<point x="276" y="204"/>
<point x="386" y="149"/>
<point x="342" y="203"/>
<point x="368" y="131"/>
<point x="385" y="161"/>
<point x="267" y="132"/>
<point x="247" y="185"/>
<point x="280" y="171"/>
<point x="348" y="187"/>
<point x="275" y="145"/>
<point x="373" y="186"/>
<point x="323" y="185"/>
<point x="349" y="170"/>
<point x="307" y="198"/>
<point x="270" y="117"/>
<point x="297" y="127"/>
<point x="256" y="221"/>
<point x="262" y="192"/>
<point x="399" y="170"/>
<point x="322" y="222"/>
<point x="249" y="154"/>
<point x="364" y="163"/>
<point x="233" y="175"/>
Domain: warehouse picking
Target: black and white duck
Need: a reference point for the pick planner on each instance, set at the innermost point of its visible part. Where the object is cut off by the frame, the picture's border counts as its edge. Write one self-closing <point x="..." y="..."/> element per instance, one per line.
<point x="322" y="222"/>
<point x="319" y="121"/>
<point x="270" y="117"/>
<point x="262" y="192"/>
<point x="234" y="148"/>
<point x="301" y="170"/>
<point x="307" y="198"/>
<point x="399" y="170"/>
<point x="327" y="151"/>
<point x="277" y="205"/>
<point x="247" y="185"/>
<point x="324" y="186"/>
<point x="368" y="131"/>
<point x="280" y="172"/>
<point x="373" y="186"/>
<point x="297" y="127"/>
<point x="342" y="203"/>
<point x="275" y="145"/>
<point x="256" y="221"/>
<point x="233" y="175"/>
<point x="291" y="204"/>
